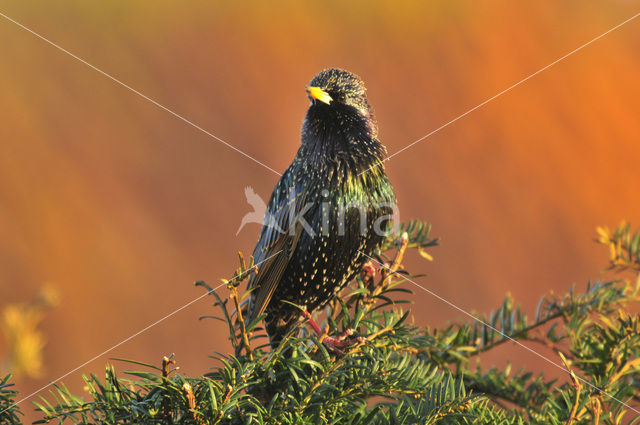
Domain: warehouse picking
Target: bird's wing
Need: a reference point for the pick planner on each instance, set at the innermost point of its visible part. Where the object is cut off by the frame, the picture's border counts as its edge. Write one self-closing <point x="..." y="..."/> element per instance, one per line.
<point x="270" y="272"/>
<point x="276" y="245"/>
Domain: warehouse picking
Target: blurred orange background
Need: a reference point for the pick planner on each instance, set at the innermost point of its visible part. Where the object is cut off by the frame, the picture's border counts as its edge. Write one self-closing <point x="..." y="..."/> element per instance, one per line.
<point x="122" y="206"/>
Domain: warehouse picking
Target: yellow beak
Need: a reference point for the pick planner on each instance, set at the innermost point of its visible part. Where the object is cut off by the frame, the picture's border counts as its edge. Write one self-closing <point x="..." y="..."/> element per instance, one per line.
<point x="318" y="94"/>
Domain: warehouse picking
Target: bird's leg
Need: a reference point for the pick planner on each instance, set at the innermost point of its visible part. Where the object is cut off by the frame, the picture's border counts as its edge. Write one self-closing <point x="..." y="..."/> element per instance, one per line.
<point x="333" y="343"/>
<point x="314" y="325"/>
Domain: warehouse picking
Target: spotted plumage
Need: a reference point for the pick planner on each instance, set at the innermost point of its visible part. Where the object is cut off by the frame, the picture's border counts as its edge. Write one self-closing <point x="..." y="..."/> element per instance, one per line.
<point x="329" y="207"/>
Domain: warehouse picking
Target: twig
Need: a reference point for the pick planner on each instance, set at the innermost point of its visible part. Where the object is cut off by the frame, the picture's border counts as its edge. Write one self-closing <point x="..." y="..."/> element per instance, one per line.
<point x="191" y="399"/>
<point x="244" y="336"/>
<point x="388" y="272"/>
<point x="577" y="385"/>
<point x="523" y="331"/>
<point x="597" y="409"/>
<point x="166" y="362"/>
<point x="232" y="285"/>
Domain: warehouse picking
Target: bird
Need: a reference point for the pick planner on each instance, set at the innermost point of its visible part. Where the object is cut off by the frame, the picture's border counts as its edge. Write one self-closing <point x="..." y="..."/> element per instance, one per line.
<point x="330" y="210"/>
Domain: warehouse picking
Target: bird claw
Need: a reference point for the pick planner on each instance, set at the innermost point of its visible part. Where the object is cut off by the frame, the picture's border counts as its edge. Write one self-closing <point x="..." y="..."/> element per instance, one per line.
<point x="337" y="342"/>
<point x="342" y="340"/>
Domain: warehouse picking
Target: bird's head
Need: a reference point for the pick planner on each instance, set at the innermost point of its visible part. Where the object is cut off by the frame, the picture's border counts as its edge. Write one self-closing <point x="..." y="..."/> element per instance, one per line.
<point x="339" y="117"/>
<point x="339" y="90"/>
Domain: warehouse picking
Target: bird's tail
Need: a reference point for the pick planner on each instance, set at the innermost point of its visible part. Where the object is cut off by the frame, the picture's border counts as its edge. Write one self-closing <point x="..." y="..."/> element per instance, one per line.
<point x="277" y="329"/>
<point x="280" y="328"/>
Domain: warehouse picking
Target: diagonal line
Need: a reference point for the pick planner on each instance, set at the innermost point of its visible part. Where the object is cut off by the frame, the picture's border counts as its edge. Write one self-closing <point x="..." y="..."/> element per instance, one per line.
<point x="111" y="77"/>
<point x="548" y="360"/>
<point x="502" y="92"/>
<point x="113" y="347"/>
<point x="368" y="169"/>
<point x="135" y="334"/>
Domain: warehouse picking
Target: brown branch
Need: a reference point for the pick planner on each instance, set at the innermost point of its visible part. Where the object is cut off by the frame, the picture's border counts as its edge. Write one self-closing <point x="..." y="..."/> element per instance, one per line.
<point x="244" y="336"/>
<point x="166" y="362"/>
<point x="597" y="409"/>
<point x="393" y="268"/>
<point x="191" y="399"/>
<point x="577" y="385"/>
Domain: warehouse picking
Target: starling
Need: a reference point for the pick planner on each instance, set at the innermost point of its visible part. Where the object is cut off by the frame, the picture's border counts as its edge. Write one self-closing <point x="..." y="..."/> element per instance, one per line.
<point x="331" y="206"/>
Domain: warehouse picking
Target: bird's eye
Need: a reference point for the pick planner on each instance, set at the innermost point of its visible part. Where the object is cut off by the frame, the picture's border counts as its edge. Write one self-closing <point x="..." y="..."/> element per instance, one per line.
<point x="337" y="97"/>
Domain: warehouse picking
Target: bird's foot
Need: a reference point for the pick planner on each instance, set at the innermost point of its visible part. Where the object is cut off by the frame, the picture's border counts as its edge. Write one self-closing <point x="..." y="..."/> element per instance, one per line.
<point x="342" y="340"/>
<point x="337" y="342"/>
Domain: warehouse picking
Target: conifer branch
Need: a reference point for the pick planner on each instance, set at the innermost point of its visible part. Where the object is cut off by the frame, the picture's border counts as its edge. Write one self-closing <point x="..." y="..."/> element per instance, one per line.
<point x="401" y="373"/>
